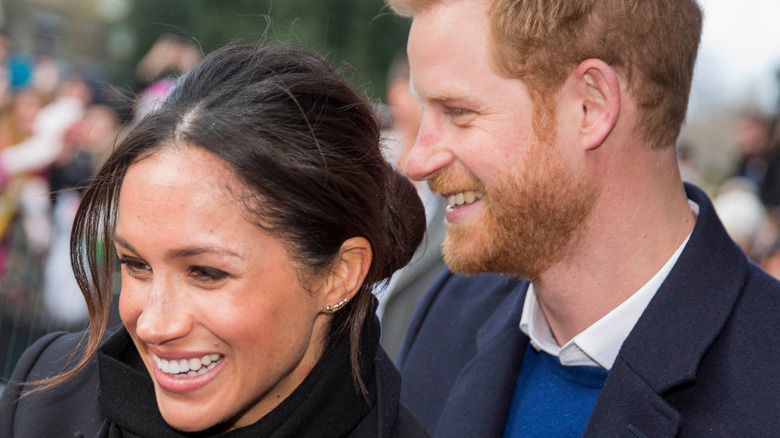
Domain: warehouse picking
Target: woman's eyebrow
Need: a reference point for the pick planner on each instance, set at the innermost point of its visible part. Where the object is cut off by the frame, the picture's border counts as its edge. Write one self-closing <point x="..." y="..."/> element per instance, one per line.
<point x="184" y="252"/>
<point x="123" y="243"/>
<point x="196" y="250"/>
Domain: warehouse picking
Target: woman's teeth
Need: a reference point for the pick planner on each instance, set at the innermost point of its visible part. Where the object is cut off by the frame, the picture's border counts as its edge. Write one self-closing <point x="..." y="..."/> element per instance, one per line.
<point x="188" y="367"/>
<point x="464" y="198"/>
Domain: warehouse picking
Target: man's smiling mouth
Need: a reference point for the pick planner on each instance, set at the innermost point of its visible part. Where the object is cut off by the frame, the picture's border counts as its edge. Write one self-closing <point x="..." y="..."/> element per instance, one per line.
<point x="464" y="198"/>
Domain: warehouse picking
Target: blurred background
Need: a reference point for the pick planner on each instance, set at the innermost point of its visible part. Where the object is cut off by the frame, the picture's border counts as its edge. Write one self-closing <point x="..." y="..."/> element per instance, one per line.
<point x="74" y="73"/>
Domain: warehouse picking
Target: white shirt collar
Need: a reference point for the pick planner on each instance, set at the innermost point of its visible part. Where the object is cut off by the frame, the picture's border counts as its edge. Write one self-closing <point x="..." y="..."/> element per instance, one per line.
<point x="599" y="344"/>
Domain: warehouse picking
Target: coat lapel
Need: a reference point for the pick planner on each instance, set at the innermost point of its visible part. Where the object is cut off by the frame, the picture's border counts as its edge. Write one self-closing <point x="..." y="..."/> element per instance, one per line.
<point x="481" y="397"/>
<point x="663" y="351"/>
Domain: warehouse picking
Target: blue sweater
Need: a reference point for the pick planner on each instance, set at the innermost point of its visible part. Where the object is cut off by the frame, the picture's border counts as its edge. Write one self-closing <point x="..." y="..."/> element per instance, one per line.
<point x="552" y="400"/>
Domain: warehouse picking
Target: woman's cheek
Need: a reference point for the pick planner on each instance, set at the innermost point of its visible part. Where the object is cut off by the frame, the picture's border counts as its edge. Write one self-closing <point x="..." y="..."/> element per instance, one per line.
<point x="129" y="306"/>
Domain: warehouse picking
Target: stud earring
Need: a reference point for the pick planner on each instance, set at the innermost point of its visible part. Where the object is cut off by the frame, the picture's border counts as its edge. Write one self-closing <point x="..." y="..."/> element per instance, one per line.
<point x="334" y="307"/>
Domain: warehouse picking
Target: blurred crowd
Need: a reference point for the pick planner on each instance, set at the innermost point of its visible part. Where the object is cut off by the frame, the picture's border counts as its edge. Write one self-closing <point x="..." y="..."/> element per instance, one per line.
<point x="56" y="124"/>
<point x="748" y="202"/>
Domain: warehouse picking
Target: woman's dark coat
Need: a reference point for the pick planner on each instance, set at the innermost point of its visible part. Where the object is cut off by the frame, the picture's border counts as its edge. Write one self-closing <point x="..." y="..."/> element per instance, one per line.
<point x="114" y="397"/>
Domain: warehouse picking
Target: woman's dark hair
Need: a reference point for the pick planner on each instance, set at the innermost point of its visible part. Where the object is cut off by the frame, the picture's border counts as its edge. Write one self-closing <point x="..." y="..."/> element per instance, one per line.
<point x="307" y="148"/>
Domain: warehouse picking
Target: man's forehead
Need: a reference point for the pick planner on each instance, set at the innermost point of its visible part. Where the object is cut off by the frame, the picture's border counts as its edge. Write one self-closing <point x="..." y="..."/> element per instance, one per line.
<point x="448" y="50"/>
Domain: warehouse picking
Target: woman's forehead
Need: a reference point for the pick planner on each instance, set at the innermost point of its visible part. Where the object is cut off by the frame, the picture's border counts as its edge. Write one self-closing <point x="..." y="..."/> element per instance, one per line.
<point x="179" y="197"/>
<point x="180" y="177"/>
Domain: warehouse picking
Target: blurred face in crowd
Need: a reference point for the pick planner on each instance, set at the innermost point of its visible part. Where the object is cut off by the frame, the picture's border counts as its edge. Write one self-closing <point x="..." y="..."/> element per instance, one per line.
<point x="27" y="104"/>
<point x="406" y="117"/>
<point x="772" y="265"/>
<point x="753" y="136"/>
<point x="212" y="302"/>
<point x="513" y="203"/>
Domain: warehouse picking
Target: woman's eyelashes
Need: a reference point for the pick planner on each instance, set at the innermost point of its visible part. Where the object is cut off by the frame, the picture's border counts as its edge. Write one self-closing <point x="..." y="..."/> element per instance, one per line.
<point x="135" y="267"/>
<point x="206" y="274"/>
<point x="140" y="269"/>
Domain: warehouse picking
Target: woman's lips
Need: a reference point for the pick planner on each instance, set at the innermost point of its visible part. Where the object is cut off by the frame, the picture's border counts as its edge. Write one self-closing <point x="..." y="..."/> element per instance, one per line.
<point x="187" y="374"/>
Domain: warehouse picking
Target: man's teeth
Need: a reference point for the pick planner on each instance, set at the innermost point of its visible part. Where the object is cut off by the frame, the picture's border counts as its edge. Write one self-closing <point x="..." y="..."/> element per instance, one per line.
<point x="188" y="367"/>
<point x="464" y="198"/>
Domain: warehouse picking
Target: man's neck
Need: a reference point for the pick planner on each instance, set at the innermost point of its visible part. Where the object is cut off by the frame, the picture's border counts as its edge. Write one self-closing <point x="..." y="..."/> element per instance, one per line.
<point x="631" y="234"/>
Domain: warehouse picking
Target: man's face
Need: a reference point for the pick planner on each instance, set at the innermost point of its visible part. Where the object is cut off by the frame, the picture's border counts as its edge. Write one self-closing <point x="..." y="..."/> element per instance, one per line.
<point x="514" y="202"/>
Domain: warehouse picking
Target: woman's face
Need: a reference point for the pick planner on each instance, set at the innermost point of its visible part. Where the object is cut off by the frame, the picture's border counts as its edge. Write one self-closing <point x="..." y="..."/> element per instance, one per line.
<point x="213" y="303"/>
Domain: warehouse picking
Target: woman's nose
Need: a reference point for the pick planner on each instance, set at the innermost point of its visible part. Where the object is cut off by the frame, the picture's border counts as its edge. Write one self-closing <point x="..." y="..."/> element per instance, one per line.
<point x="164" y="316"/>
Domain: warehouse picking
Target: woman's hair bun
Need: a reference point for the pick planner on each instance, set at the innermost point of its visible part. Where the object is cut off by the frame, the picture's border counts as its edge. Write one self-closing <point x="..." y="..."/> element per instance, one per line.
<point x="404" y="220"/>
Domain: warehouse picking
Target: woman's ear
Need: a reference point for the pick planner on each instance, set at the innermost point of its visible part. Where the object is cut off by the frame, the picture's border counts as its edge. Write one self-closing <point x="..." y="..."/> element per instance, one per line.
<point x="347" y="274"/>
<point x="597" y="88"/>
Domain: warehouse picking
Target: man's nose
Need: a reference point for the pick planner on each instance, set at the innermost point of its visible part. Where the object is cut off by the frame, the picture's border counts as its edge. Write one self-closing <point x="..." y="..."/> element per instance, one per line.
<point x="430" y="152"/>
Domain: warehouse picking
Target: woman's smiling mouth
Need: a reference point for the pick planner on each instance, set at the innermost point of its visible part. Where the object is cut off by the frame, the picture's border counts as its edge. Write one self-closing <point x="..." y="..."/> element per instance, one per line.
<point x="192" y="367"/>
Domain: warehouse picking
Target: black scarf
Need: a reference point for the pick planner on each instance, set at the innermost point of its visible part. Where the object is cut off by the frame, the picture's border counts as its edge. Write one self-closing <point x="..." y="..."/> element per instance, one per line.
<point x="326" y="404"/>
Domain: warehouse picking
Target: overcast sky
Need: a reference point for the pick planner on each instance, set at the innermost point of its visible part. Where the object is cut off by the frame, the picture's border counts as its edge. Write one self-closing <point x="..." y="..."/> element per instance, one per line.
<point x="739" y="55"/>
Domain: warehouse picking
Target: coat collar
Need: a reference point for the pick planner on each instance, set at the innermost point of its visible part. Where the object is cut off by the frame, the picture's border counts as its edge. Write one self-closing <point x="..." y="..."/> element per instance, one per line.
<point x="326" y="403"/>
<point x="493" y="370"/>
<point x="665" y="348"/>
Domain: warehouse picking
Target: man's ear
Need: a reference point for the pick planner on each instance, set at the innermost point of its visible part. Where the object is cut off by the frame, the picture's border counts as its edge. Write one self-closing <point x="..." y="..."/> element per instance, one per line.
<point x="597" y="87"/>
<point x="347" y="274"/>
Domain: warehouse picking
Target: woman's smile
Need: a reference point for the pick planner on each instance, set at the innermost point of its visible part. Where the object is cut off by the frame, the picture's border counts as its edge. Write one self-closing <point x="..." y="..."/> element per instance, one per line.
<point x="187" y="375"/>
<point x="187" y="367"/>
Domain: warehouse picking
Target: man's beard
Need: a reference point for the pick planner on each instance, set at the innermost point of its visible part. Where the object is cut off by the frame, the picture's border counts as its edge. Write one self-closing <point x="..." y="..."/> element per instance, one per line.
<point x="530" y="218"/>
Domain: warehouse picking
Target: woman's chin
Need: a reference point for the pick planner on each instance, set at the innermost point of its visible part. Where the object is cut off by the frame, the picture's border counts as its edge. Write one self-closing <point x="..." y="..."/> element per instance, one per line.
<point x="186" y="418"/>
<point x="190" y="424"/>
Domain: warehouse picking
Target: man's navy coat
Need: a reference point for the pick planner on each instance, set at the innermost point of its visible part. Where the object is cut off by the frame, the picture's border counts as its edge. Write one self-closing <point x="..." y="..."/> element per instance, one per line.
<point x="703" y="359"/>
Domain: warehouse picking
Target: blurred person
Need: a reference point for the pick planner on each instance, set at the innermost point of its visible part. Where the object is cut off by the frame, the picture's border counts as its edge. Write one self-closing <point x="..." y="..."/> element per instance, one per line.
<point x="41" y="68"/>
<point x="753" y="146"/>
<point x="589" y="292"/>
<point x="771" y="263"/>
<point x="48" y="69"/>
<point x="169" y="57"/>
<point x="740" y="210"/>
<point x="46" y="143"/>
<point x="20" y="258"/>
<point x="6" y="93"/>
<point x="398" y="300"/>
<point x="770" y="187"/>
<point x="17" y="118"/>
<point x="38" y="151"/>
<point x="33" y="135"/>
<point x="85" y="143"/>
<point x="688" y="169"/>
<point x="404" y="108"/>
<point x="770" y="197"/>
<point x="5" y="45"/>
<point x="16" y="125"/>
<point x="252" y="214"/>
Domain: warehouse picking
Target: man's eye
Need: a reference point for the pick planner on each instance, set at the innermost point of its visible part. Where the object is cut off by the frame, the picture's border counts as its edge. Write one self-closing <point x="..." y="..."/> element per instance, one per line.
<point x="202" y="273"/>
<point x="455" y="112"/>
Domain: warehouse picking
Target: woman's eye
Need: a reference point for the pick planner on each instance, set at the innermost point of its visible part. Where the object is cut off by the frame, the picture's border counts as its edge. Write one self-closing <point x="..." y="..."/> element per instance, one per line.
<point x="203" y="273"/>
<point x="135" y="267"/>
